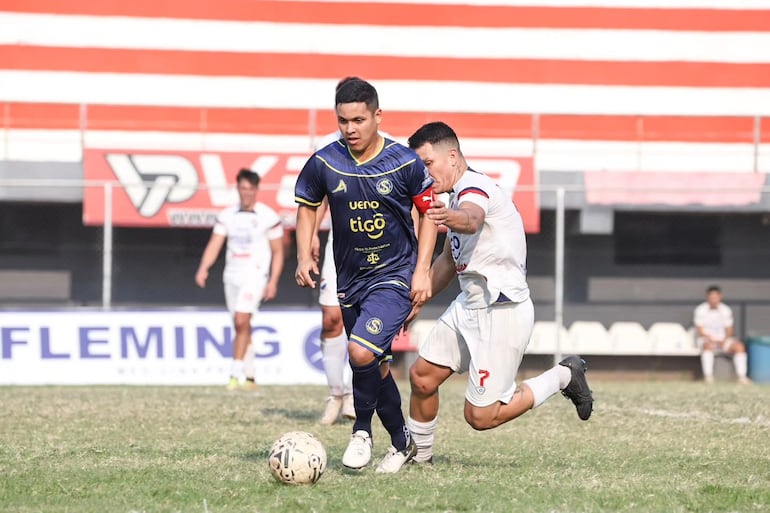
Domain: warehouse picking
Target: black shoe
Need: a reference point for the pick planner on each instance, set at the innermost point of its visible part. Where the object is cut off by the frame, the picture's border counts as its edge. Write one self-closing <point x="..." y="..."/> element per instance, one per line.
<point x="578" y="390"/>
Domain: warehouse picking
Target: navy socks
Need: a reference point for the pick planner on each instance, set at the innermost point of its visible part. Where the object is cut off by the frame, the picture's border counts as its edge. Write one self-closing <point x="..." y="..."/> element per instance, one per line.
<point x="371" y="392"/>
<point x="389" y="411"/>
<point x="366" y="387"/>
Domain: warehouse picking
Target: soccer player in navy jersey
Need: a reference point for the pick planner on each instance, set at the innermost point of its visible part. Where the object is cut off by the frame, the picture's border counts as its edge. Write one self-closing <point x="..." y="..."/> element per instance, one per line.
<point x="371" y="183"/>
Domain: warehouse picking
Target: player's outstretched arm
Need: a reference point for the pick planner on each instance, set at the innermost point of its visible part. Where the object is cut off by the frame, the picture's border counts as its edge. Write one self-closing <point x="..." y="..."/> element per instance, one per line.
<point x="426" y="242"/>
<point x="315" y="246"/>
<point x="276" y="267"/>
<point x="443" y="270"/>
<point x="468" y="218"/>
<point x="210" y="255"/>
<point x="306" y="219"/>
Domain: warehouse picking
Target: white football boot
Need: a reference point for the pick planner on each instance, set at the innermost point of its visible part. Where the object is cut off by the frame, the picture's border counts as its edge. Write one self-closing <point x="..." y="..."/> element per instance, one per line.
<point x="359" y="451"/>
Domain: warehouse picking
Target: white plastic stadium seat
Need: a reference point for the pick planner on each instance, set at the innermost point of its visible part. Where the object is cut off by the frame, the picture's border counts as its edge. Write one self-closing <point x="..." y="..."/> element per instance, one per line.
<point x="543" y="339"/>
<point x="590" y="337"/>
<point x="671" y="338"/>
<point x="630" y="338"/>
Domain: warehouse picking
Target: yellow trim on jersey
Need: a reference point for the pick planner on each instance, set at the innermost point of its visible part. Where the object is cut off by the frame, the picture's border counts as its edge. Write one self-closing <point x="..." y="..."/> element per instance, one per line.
<point x="379" y="150"/>
<point x="390" y="282"/>
<point x="366" y="344"/>
<point x="365" y="176"/>
<point x="297" y="199"/>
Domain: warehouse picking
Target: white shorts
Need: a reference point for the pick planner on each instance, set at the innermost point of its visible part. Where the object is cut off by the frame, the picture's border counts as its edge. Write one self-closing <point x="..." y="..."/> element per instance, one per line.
<point x="487" y="342"/>
<point x="719" y="347"/>
<point x="244" y="295"/>
<point x="328" y="288"/>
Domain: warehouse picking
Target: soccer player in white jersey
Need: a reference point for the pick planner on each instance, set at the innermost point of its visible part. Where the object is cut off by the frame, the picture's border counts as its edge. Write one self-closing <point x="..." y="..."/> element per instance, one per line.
<point x="487" y="327"/>
<point x="713" y="322"/>
<point x="253" y="265"/>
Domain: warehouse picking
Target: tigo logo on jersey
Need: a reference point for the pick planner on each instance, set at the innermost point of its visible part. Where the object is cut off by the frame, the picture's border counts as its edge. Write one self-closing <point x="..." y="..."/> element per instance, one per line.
<point x="374" y="228"/>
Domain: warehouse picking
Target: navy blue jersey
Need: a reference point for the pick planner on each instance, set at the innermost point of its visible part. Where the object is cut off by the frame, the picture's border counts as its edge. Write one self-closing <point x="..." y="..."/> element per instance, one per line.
<point x="370" y="205"/>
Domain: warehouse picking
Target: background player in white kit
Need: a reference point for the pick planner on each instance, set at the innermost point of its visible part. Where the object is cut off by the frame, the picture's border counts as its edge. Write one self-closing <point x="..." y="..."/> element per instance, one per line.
<point x="487" y="327"/>
<point x="713" y="322"/>
<point x="253" y="265"/>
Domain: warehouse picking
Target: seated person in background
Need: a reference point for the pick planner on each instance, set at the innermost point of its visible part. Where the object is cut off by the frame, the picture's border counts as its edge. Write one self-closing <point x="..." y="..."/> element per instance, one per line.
<point x="714" y="329"/>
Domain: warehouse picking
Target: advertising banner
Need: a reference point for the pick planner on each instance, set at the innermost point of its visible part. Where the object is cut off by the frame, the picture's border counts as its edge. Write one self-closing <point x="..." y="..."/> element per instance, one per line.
<point x="154" y="348"/>
<point x="189" y="188"/>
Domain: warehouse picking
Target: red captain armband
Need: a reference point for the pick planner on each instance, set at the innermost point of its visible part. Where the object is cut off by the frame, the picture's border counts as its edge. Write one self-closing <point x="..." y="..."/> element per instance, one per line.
<point x="423" y="200"/>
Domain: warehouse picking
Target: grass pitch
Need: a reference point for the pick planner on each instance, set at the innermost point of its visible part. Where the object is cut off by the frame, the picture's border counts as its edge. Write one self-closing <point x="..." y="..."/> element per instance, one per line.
<point x="667" y="447"/>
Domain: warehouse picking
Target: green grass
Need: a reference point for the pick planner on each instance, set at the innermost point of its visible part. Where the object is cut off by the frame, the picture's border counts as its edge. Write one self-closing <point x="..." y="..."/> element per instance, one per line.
<point x="668" y="447"/>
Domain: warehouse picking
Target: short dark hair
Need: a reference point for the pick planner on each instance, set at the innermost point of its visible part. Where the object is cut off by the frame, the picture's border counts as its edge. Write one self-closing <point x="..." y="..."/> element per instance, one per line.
<point x="433" y="133"/>
<point x="248" y="175"/>
<point x="713" y="288"/>
<point x="356" y="90"/>
<point x="345" y="81"/>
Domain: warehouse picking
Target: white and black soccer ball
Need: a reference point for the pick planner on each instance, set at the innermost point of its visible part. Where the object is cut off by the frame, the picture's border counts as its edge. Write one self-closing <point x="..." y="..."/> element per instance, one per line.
<point x="297" y="457"/>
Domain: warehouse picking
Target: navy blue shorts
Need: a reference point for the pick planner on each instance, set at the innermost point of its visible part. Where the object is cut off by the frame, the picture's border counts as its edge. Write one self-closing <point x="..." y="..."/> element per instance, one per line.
<point x="374" y="322"/>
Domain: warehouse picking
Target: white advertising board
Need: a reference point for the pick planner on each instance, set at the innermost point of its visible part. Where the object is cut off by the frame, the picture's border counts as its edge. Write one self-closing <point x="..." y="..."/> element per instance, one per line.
<point x="179" y="347"/>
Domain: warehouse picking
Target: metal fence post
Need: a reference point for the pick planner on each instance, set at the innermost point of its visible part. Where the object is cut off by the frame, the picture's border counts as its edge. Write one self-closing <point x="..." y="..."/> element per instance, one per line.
<point x="559" y="273"/>
<point x="107" y="248"/>
<point x="757" y="139"/>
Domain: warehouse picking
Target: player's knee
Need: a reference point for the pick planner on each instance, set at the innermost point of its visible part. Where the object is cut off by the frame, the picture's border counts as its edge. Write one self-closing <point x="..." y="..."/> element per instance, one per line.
<point x="331" y="327"/>
<point x="331" y="322"/>
<point x="242" y="323"/>
<point x="359" y="356"/>
<point x="479" y="419"/>
<point x="422" y="384"/>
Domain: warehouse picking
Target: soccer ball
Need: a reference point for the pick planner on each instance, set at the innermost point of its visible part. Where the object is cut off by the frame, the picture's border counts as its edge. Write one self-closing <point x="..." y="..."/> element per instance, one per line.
<point x="297" y="458"/>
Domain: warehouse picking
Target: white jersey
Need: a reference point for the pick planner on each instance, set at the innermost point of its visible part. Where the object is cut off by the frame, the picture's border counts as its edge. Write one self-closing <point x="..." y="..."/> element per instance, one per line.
<point x="485" y="267"/>
<point x="714" y="321"/>
<point x="248" y="233"/>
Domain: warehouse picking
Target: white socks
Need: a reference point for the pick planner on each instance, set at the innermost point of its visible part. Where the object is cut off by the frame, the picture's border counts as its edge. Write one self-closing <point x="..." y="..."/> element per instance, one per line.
<point x="237" y="370"/>
<point x="740" y="361"/>
<point x="339" y="376"/>
<point x="548" y="383"/>
<point x="707" y="364"/>
<point x="248" y="362"/>
<point x="422" y="434"/>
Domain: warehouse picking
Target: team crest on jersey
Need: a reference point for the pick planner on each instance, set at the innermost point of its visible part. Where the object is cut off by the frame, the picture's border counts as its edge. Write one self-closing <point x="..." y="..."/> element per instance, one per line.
<point x="341" y="187"/>
<point x="374" y="325"/>
<point x="384" y="186"/>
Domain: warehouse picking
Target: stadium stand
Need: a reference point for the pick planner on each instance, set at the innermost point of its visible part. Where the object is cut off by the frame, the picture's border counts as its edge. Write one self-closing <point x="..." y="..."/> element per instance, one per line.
<point x="671" y="338"/>
<point x="544" y="339"/>
<point x="590" y="337"/>
<point x="627" y="289"/>
<point x="630" y="338"/>
<point x="45" y="286"/>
